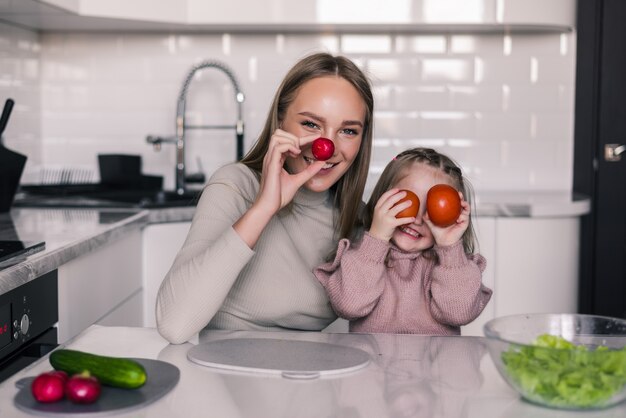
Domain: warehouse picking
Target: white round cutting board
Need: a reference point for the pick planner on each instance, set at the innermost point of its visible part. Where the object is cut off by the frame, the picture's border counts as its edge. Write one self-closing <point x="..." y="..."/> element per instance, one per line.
<point x="287" y="358"/>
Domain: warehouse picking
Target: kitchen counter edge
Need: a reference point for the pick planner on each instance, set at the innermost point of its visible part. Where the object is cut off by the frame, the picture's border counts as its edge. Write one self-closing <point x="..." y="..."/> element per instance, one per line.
<point x="56" y="254"/>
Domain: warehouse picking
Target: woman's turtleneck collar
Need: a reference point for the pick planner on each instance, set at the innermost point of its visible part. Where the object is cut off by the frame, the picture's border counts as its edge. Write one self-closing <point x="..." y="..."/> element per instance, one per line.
<point x="306" y="197"/>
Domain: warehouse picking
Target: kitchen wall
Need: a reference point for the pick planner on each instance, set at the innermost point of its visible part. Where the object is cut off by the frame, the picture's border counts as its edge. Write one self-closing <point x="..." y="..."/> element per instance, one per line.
<point x="501" y="105"/>
<point x="20" y="65"/>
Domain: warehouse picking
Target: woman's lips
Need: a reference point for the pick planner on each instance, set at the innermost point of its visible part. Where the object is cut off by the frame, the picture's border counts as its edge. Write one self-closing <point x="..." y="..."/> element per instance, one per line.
<point x="326" y="166"/>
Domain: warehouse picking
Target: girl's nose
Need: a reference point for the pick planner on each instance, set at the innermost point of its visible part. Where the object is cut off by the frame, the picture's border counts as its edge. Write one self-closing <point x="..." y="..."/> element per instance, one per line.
<point x="419" y="218"/>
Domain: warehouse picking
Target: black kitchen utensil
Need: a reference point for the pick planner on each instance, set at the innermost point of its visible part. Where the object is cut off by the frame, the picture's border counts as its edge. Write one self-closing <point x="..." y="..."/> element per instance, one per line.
<point x="11" y="164"/>
<point x="123" y="171"/>
<point x="117" y="169"/>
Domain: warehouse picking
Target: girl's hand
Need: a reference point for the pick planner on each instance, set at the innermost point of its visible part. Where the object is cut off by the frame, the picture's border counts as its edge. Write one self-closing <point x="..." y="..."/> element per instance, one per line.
<point x="278" y="187"/>
<point x="384" y="221"/>
<point x="451" y="234"/>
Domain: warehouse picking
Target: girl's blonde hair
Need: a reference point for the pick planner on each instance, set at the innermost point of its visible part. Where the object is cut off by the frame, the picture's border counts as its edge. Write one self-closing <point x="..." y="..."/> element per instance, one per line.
<point x="399" y="167"/>
<point x="348" y="191"/>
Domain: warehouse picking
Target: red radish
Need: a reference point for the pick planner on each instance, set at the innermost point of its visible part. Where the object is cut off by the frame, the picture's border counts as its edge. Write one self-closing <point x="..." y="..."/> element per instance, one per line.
<point x="83" y="388"/>
<point x="61" y="374"/>
<point x="322" y="149"/>
<point x="48" y="387"/>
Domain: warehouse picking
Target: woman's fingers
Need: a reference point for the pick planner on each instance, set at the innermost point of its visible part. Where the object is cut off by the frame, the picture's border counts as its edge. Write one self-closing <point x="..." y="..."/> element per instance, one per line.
<point x="307" y="139"/>
<point x="308" y="173"/>
<point x="281" y="149"/>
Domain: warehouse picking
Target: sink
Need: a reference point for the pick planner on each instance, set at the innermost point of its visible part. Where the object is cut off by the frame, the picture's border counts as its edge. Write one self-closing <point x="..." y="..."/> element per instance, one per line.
<point x="96" y="196"/>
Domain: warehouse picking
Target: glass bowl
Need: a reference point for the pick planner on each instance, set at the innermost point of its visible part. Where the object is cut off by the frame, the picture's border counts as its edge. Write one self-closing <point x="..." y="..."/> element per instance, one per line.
<point x="564" y="361"/>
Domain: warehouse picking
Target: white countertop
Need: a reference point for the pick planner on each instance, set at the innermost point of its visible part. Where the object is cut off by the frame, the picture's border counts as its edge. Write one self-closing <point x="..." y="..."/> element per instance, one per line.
<point x="540" y="204"/>
<point x="70" y="233"/>
<point x="408" y="375"/>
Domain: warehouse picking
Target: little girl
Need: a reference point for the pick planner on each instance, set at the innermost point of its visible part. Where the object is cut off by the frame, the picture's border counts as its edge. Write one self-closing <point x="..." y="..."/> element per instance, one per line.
<point x="406" y="275"/>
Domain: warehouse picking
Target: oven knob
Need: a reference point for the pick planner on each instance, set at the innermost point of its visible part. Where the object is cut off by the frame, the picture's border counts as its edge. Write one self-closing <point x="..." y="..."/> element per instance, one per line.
<point x="24" y="324"/>
<point x="15" y="324"/>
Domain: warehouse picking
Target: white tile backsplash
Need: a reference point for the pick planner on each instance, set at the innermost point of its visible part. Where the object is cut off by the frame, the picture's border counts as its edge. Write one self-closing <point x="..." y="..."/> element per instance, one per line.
<point x="502" y="105"/>
<point x="20" y="73"/>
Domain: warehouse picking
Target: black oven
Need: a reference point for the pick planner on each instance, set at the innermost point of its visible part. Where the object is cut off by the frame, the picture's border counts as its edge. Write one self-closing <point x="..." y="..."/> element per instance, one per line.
<point x="28" y="315"/>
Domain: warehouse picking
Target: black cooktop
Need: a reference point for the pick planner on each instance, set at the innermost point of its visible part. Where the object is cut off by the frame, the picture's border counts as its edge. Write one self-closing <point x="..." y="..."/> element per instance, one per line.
<point x="13" y="251"/>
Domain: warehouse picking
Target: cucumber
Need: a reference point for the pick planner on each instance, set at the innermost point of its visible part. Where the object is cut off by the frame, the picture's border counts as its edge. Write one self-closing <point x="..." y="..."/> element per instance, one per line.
<point x="110" y="371"/>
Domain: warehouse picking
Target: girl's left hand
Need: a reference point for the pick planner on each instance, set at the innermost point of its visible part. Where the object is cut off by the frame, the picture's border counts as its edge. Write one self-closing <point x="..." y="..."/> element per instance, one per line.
<point x="451" y="234"/>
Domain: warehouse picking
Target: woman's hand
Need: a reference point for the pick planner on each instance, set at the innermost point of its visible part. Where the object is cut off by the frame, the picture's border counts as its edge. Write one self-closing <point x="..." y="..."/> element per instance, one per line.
<point x="384" y="221"/>
<point x="278" y="187"/>
<point x="451" y="234"/>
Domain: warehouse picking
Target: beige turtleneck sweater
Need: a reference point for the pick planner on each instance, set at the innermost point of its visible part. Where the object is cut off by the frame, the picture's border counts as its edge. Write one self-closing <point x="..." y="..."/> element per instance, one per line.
<point x="408" y="294"/>
<point x="218" y="282"/>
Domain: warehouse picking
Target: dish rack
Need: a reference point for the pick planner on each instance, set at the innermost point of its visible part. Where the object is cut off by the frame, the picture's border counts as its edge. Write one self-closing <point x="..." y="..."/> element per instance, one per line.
<point x="63" y="181"/>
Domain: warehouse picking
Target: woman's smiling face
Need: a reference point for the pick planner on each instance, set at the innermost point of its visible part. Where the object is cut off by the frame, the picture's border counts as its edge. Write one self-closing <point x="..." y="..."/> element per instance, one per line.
<point x="332" y="108"/>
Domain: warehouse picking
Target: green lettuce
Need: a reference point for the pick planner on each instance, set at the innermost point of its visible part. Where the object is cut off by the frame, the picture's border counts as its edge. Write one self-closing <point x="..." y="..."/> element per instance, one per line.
<point x="556" y="372"/>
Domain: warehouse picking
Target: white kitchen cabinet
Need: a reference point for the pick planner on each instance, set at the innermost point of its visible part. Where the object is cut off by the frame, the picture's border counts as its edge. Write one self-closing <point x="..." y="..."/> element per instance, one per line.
<point x="287" y="15"/>
<point x="485" y="229"/>
<point x="129" y="312"/>
<point x="536" y="265"/>
<point x="532" y="266"/>
<point x="161" y="243"/>
<point x="100" y="285"/>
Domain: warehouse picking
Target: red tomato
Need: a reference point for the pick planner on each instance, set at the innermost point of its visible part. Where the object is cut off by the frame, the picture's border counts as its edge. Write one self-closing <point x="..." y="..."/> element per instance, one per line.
<point x="412" y="210"/>
<point x="323" y="149"/>
<point x="443" y="205"/>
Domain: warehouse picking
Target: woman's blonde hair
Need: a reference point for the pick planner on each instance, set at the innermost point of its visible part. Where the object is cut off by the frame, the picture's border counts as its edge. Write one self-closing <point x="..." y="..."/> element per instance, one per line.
<point x="348" y="191"/>
<point x="399" y="167"/>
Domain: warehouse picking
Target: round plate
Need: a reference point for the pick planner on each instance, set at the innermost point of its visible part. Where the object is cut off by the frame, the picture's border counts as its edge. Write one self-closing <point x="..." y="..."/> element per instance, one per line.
<point x="288" y="358"/>
<point x="162" y="377"/>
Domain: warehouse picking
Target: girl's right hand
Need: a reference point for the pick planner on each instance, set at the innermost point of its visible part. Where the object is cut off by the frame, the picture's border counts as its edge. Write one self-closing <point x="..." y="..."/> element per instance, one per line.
<point x="278" y="187"/>
<point x="384" y="221"/>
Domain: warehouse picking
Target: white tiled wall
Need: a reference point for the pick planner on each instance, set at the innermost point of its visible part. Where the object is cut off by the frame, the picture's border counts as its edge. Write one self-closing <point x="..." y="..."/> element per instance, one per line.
<point x="19" y="80"/>
<point x="501" y="105"/>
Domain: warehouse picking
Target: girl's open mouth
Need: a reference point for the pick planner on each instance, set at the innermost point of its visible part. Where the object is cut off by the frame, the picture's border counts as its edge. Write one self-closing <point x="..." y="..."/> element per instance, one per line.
<point x="410" y="232"/>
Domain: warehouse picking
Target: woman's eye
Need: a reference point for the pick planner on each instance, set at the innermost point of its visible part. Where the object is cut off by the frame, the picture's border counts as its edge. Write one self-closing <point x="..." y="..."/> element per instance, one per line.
<point x="349" y="131"/>
<point x="310" y="124"/>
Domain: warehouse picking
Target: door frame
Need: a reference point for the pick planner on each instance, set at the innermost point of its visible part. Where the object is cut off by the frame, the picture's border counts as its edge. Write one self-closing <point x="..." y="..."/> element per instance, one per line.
<point x="588" y="38"/>
<point x="601" y="285"/>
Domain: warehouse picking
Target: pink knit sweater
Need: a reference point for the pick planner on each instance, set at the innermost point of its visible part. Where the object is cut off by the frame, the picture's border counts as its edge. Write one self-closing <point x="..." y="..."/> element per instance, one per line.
<point x="414" y="295"/>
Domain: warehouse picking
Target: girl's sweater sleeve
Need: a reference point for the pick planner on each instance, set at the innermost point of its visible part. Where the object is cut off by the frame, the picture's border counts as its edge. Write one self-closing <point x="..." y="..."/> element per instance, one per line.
<point x="355" y="280"/>
<point x="207" y="265"/>
<point x="457" y="294"/>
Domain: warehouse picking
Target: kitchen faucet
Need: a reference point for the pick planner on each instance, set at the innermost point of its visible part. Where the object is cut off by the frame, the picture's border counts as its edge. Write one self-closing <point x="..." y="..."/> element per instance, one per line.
<point x="181" y="126"/>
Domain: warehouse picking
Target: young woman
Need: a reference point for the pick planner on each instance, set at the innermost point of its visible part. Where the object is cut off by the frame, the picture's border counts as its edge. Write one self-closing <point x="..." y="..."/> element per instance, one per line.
<point x="263" y="224"/>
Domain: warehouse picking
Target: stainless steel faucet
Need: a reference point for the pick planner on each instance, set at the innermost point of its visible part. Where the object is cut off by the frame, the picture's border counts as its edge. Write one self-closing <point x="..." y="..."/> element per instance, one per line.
<point x="181" y="126"/>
